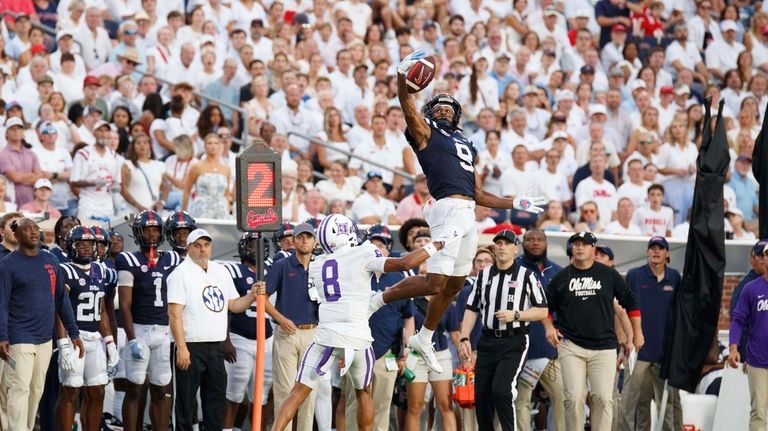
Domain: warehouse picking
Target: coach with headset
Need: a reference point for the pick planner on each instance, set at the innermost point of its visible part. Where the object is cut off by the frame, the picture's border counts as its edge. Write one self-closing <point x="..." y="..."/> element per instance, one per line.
<point x="508" y="297"/>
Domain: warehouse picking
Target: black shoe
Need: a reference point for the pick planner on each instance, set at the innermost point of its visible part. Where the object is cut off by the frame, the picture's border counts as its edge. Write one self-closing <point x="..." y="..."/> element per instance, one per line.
<point x="110" y="423"/>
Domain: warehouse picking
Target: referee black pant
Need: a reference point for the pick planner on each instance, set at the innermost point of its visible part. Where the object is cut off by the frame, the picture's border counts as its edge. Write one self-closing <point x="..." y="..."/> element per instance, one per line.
<point x="206" y="372"/>
<point x="499" y="361"/>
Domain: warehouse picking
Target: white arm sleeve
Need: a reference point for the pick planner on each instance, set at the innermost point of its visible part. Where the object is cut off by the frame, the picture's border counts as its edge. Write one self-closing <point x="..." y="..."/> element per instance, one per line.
<point x="125" y="278"/>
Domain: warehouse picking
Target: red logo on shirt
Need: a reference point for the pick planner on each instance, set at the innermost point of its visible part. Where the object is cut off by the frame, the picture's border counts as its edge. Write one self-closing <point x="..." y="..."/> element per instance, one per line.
<point x="253" y="220"/>
<point x="52" y="276"/>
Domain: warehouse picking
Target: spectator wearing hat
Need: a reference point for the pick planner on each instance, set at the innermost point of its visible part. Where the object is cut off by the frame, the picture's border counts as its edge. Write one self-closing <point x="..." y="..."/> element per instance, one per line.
<point x="565" y="101"/>
<point x="666" y="106"/>
<point x="587" y="346"/>
<point x="95" y="172"/>
<point x="611" y="53"/>
<point x="18" y="163"/>
<point x="536" y="117"/>
<point x="296" y="316"/>
<point x="609" y="13"/>
<point x="682" y="54"/>
<point x="654" y="285"/>
<point x="200" y="296"/>
<point x="736" y="218"/>
<point x="752" y="311"/>
<point x="128" y="37"/>
<point x="93" y="38"/>
<point x="371" y="206"/>
<point x="500" y="70"/>
<point x="20" y="25"/>
<point x="508" y="298"/>
<point x="42" y="202"/>
<point x="745" y="187"/>
<point x="91" y="97"/>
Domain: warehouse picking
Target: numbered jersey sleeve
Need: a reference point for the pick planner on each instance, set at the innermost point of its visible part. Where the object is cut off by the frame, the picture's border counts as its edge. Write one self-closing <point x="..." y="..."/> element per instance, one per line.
<point x="244" y="324"/>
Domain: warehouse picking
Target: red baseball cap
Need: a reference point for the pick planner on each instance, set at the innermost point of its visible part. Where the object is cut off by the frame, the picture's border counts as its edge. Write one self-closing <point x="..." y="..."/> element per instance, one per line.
<point x="37" y="48"/>
<point x="619" y="27"/>
<point x="91" y="80"/>
<point x="666" y="90"/>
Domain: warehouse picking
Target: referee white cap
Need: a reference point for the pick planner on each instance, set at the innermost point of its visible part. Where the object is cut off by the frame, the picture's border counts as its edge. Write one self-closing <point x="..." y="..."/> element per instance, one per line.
<point x="197" y="234"/>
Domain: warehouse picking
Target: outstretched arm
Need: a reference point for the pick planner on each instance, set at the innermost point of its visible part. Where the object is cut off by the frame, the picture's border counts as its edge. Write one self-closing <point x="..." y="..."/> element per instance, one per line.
<point x="523" y="202"/>
<point x="416" y="125"/>
<point x="412" y="260"/>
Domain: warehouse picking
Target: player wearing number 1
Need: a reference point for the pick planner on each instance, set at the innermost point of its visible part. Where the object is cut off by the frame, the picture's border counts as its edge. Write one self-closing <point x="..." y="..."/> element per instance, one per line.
<point x="342" y="280"/>
<point x="448" y="159"/>
<point x="143" y="293"/>
<point x="87" y="282"/>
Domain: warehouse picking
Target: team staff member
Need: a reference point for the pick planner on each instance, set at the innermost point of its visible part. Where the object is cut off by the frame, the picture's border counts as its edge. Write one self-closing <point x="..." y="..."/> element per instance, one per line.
<point x="200" y="295"/>
<point x="582" y="295"/>
<point x="242" y="337"/>
<point x="508" y="297"/>
<point x="534" y="258"/>
<point x="388" y="326"/>
<point x="752" y="309"/>
<point x="296" y="316"/>
<point x="8" y="243"/>
<point x="654" y="286"/>
<point x="756" y="270"/>
<point x="31" y="293"/>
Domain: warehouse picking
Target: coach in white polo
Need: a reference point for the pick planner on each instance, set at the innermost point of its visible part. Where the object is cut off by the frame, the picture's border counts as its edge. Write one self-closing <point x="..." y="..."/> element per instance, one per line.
<point x="200" y="295"/>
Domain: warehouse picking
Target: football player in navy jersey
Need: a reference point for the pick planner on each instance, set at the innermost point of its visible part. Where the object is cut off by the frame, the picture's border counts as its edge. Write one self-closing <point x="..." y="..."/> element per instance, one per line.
<point x="177" y="227"/>
<point x="144" y="311"/>
<point x="242" y="335"/>
<point x="284" y="239"/>
<point x="103" y="243"/>
<point x="448" y="160"/>
<point x="60" y="230"/>
<point x="87" y="282"/>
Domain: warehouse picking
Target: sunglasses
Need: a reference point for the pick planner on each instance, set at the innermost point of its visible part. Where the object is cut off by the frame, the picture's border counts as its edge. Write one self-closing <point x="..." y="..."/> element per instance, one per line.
<point x="645" y="142"/>
<point x="559" y="119"/>
<point x="588" y="211"/>
<point x="131" y="32"/>
<point x="225" y="135"/>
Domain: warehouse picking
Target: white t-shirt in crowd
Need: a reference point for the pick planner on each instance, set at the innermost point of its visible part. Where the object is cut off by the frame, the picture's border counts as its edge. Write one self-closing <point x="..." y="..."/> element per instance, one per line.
<point x="552" y="186"/>
<point x="205" y="295"/>
<point x="57" y="160"/>
<point x="365" y="206"/>
<point x="89" y="165"/>
<point x="654" y="222"/>
<point x="515" y="182"/>
<point x="615" y="228"/>
<point x="503" y="161"/>
<point x="603" y="194"/>
<point x="391" y="154"/>
<point x="637" y="193"/>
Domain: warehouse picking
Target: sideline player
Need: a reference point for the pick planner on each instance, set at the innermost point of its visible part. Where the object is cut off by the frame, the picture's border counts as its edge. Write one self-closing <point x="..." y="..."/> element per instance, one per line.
<point x="242" y="336"/>
<point x="448" y="160"/>
<point x="143" y="297"/>
<point x="176" y="229"/>
<point x="87" y="282"/>
<point x="342" y="280"/>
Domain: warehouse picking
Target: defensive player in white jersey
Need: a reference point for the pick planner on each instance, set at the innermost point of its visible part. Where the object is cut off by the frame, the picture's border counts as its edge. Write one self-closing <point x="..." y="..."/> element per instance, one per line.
<point x="342" y="280"/>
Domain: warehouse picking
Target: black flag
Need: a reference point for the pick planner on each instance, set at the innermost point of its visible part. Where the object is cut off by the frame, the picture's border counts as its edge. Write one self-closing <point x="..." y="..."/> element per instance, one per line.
<point x="760" y="169"/>
<point x="697" y="299"/>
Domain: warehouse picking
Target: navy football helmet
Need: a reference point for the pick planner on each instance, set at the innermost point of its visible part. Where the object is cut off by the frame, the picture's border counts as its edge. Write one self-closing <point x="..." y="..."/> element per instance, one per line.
<point x="78" y="234"/>
<point x="146" y="219"/>
<point x="382" y="233"/>
<point x="443" y="99"/>
<point x="243" y="248"/>
<point x="178" y="220"/>
<point x="102" y="238"/>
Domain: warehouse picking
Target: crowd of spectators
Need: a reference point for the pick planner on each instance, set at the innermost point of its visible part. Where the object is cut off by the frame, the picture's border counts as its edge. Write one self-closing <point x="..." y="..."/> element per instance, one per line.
<point x="598" y="109"/>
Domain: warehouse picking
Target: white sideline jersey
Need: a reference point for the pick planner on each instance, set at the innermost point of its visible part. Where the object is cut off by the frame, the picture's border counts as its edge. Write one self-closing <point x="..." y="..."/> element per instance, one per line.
<point x="343" y="284"/>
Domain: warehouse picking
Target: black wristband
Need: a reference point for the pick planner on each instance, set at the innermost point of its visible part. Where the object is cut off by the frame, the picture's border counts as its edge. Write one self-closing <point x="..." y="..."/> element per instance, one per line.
<point x="463" y="340"/>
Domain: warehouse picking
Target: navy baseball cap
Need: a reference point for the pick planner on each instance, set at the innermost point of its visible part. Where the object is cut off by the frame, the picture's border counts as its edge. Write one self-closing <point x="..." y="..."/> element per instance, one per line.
<point x="585" y="236"/>
<point x="605" y="250"/>
<point x="285" y="230"/>
<point x="760" y="246"/>
<point x="658" y="240"/>
<point x="506" y="234"/>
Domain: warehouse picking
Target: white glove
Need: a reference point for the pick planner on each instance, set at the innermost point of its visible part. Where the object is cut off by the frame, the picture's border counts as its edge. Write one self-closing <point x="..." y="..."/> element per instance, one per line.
<point x="66" y="355"/>
<point x="407" y="62"/>
<point x="137" y="349"/>
<point x="529" y="203"/>
<point x="113" y="358"/>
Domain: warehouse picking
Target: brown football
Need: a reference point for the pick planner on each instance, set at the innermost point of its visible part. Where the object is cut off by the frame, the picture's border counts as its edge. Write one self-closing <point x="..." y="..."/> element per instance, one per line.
<point x="421" y="74"/>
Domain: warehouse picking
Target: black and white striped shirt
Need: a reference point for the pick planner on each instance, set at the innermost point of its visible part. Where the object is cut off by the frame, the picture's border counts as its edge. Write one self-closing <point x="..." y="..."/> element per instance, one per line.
<point x="514" y="289"/>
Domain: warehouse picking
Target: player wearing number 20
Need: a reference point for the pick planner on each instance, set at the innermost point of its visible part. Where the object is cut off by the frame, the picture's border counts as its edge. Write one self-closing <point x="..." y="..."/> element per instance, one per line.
<point x="143" y="294"/>
<point x="342" y="279"/>
<point x="87" y="282"/>
<point x="447" y="158"/>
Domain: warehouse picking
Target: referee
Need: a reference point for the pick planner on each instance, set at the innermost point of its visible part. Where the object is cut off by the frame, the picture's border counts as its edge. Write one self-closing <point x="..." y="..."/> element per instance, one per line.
<point x="508" y="297"/>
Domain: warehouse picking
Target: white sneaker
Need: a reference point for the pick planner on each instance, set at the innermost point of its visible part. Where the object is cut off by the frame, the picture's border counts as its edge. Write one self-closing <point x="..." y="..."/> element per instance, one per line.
<point x="427" y="352"/>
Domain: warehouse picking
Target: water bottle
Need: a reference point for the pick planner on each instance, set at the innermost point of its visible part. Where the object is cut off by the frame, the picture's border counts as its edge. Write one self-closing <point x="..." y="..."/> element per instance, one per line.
<point x="410" y="363"/>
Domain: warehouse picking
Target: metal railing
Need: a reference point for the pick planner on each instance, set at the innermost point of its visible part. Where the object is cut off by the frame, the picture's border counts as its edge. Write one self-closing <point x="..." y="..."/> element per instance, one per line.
<point x="243" y="140"/>
<point x="379" y="165"/>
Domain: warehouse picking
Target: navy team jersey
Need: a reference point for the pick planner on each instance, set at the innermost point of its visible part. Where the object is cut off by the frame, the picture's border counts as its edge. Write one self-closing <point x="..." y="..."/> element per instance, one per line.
<point x="150" y="292"/>
<point x="60" y="254"/>
<point x="244" y="324"/>
<point x="87" y="290"/>
<point x="447" y="161"/>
